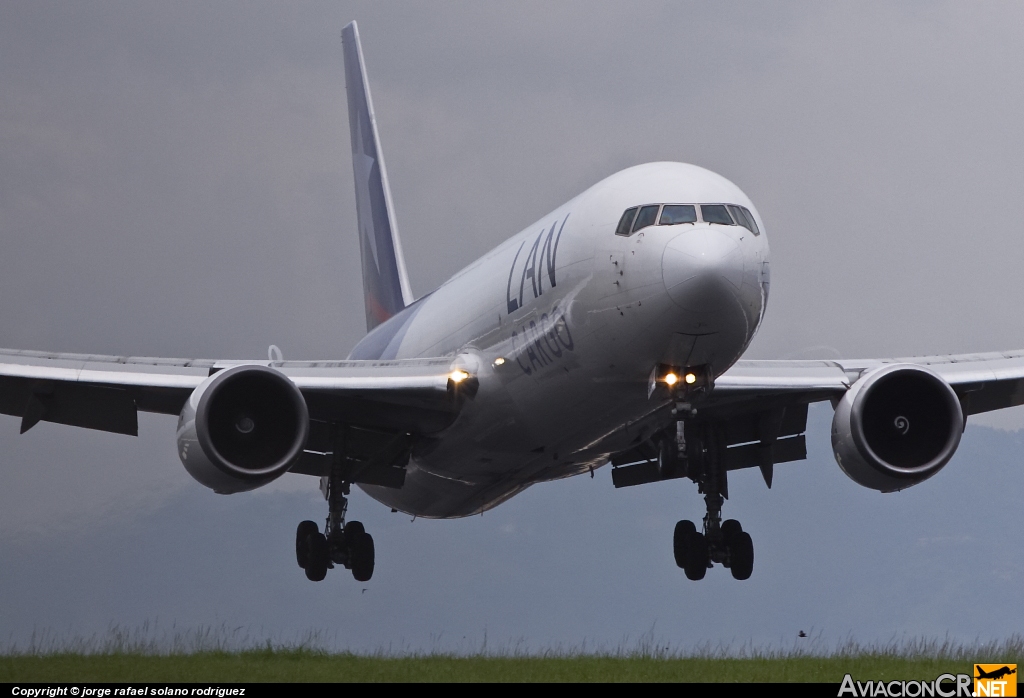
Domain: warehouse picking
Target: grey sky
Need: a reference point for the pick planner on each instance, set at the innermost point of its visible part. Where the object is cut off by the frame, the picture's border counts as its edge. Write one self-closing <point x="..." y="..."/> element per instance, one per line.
<point x="175" y="180"/>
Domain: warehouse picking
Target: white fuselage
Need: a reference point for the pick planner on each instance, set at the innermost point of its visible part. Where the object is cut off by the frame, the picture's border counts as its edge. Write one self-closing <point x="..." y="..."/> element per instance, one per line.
<point x="563" y="325"/>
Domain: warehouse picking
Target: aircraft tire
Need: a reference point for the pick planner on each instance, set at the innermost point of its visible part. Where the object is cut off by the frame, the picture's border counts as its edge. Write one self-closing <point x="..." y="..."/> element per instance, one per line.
<point x="681" y="541"/>
<point x="301" y="534"/>
<point x="362" y="557"/>
<point x="730" y="529"/>
<point x="318" y="557"/>
<point x="353" y="529"/>
<point x="741" y="551"/>
<point x="697" y="558"/>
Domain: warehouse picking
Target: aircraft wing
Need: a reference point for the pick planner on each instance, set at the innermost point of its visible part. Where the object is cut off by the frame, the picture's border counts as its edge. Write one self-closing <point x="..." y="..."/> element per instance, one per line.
<point x="107" y="392"/>
<point x="983" y="382"/>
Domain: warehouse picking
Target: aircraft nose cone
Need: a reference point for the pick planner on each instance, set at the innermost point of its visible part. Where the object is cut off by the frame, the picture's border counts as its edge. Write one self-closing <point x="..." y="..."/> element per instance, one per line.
<point x="703" y="269"/>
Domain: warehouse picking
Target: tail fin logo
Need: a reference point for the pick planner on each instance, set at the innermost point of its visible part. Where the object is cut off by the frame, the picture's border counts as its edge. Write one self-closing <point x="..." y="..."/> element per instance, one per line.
<point x="386" y="288"/>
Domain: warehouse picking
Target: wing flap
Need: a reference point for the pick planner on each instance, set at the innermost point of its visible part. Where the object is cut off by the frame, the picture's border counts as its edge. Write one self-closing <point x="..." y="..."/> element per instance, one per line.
<point x="754" y="455"/>
<point x="87" y="406"/>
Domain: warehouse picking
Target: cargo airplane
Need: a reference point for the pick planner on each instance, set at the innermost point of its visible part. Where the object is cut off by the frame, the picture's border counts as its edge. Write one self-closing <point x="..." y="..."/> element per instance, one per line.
<point x="611" y="331"/>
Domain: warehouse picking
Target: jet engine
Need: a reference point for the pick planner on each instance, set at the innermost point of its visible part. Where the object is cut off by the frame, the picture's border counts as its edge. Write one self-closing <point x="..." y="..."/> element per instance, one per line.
<point x="896" y="426"/>
<point x="241" y="428"/>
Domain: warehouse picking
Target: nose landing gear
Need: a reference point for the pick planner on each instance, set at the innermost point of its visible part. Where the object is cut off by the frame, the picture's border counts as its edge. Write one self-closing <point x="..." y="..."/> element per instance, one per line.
<point x="348" y="545"/>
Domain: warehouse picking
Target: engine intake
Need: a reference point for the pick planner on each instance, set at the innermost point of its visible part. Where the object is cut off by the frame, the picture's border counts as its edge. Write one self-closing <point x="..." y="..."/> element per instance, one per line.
<point x="242" y="428"/>
<point x="896" y="426"/>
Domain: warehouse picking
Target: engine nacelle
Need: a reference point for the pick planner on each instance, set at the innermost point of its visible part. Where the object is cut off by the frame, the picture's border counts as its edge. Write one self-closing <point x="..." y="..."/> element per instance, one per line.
<point x="896" y="426"/>
<point x="241" y="428"/>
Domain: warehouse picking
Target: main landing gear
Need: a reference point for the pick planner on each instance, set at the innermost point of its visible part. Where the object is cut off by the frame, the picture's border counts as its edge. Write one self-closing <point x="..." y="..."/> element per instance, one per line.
<point x="697" y="448"/>
<point x="343" y="544"/>
<point x="696" y="552"/>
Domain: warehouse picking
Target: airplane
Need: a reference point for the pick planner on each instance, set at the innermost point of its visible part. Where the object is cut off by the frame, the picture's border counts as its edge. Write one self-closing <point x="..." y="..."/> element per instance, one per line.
<point x="609" y="332"/>
<point x="996" y="673"/>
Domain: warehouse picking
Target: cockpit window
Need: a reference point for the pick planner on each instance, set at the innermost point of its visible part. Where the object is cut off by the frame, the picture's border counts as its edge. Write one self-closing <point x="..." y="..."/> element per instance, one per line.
<point x="639" y="217"/>
<point x="753" y="223"/>
<point x="715" y="213"/>
<point x="646" y="217"/>
<point x="676" y="214"/>
<point x="743" y="217"/>
<point x="626" y="221"/>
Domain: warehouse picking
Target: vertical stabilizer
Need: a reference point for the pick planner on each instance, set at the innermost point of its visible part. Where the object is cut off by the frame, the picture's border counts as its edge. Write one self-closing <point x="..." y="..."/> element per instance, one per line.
<point x="385" y="282"/>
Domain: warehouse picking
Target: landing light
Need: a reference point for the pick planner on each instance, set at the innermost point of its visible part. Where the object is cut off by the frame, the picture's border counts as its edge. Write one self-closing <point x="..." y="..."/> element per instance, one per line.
<point x="671" y="378"/>
<point x="499" y="361"/>
<point x="690" y="378"/>
<point x="458" y="375"/>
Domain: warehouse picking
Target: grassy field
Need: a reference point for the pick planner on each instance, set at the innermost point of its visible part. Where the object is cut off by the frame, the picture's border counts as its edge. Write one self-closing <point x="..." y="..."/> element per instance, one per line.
<point x="311" y="666"/>
<point x="907" y="661"/>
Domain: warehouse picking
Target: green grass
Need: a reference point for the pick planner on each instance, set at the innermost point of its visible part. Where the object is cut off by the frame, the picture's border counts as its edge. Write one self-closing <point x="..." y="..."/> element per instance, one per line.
<point x="218" y="656"/>
<point x="304" y="665"/>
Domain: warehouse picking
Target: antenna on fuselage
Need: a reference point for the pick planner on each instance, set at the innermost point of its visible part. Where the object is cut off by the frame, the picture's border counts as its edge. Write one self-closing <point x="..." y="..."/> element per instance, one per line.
<point x="274" y="355"/>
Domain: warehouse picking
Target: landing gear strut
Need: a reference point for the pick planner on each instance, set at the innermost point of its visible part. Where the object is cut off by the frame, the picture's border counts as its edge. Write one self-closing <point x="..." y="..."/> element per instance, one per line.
<point x="700" y="447"/>
<point x="343" y="544"/>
